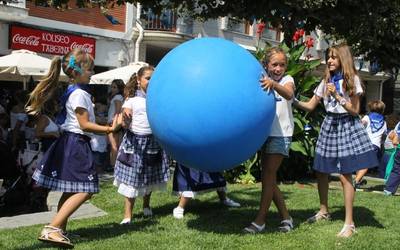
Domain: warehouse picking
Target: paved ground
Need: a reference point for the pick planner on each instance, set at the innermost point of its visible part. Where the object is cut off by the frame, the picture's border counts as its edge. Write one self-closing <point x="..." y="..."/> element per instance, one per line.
<point x="87" y="210"/>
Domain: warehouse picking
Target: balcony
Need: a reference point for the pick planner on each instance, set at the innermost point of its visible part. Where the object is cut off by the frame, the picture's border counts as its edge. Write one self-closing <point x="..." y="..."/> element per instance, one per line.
<point x="166" y="21"/>
<point x="13" y="10"/>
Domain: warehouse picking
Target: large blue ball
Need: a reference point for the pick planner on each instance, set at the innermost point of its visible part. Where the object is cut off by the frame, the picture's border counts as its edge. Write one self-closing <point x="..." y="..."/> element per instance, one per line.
<point x="205" y="104"/>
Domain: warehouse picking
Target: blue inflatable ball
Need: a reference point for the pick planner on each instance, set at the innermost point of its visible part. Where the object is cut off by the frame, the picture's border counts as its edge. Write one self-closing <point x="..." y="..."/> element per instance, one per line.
<point x="205" y="105"/>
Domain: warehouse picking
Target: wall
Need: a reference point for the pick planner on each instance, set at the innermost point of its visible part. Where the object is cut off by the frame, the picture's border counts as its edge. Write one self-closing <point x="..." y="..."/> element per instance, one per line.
<point x="83" y="16"/>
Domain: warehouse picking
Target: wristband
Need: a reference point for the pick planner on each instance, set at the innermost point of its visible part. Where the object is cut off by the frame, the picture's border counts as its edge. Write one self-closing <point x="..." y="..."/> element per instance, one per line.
<point x="342" y="102"/>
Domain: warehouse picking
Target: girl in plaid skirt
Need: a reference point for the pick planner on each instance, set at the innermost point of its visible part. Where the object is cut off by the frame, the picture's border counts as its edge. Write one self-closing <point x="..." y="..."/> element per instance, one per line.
<point x="141" y="166"/>
<point x="343" y="144"/>
<point x="67" y="166"/>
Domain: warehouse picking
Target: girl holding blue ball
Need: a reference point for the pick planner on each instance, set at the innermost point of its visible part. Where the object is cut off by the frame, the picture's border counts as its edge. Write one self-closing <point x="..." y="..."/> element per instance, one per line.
<point x="343" y="144"/>
<point x="141" y="166"/>
<point x="278" y="143"/>
<point x="67" y="166"/>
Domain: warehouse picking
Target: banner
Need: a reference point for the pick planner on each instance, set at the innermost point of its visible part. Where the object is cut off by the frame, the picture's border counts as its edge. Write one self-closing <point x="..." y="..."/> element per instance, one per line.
<point x="49" y="42"/>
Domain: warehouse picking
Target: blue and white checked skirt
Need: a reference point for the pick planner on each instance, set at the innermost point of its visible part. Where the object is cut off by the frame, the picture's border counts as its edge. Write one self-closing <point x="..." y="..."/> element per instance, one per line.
<point x="141" y="162"/>
<point x="343" y="146"/>
<point x="67" y="166"/>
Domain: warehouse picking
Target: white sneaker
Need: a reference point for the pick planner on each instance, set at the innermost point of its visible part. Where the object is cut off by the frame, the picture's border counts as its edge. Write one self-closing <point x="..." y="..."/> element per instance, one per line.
<point x="230" y="203"/>
<point x="125" y="221"/>
<point x="178" y="212"/>
<point x="147" y="212"/>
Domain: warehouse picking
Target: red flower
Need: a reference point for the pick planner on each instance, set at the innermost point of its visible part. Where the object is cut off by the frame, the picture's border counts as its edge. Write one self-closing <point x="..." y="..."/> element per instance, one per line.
<point x="309" y="42"/>
<point x="260" y="28"/>
<point x="297" y="35"/>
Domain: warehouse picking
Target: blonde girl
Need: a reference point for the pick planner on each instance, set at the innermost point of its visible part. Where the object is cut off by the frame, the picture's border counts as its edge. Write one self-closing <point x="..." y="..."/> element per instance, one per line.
<point x="67" y="166"/>
<point x="343" y="144"/>
<point x="278" y="143"/>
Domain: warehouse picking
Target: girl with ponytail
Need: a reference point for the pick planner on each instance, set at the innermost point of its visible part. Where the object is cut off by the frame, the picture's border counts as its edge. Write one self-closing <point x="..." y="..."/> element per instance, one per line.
<point x="67" y="166"/>
<point x="141" y="166"/>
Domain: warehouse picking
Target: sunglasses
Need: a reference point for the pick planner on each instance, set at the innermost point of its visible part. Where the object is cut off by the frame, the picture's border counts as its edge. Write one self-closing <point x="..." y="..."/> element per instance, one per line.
<point x="148" y="78"/>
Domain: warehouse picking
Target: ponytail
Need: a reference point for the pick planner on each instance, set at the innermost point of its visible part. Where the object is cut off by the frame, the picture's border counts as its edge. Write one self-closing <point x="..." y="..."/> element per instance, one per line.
<point x="133" y="85"/>
<point x="45" y="88"/>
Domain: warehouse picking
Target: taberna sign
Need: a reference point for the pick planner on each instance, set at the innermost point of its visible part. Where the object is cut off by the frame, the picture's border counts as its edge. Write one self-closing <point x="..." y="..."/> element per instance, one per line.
<point x="47" y="42"/>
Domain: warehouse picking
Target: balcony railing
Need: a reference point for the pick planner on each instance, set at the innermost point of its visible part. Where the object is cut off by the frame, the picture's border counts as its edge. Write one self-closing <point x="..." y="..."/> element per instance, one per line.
<point x="166" y="21"/>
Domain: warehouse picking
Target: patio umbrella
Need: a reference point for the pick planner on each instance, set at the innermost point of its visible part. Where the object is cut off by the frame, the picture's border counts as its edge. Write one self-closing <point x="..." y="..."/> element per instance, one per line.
<point x="20" y="65"/>
<point x="123" y="73"/>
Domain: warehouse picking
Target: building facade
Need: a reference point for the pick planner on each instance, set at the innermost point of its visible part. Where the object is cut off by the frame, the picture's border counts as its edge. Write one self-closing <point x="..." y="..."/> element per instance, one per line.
<point x="106" y="34"/>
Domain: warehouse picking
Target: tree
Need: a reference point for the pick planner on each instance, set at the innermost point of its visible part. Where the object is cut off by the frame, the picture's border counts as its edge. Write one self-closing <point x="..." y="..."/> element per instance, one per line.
<point x="372" y="28"/>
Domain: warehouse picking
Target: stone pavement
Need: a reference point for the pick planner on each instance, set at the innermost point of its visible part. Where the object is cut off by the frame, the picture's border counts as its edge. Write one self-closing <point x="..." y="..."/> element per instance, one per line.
<point x="87" y="210"/>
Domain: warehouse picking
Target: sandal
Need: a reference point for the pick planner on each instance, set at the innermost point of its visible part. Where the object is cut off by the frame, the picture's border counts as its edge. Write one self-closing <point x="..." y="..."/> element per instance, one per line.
<point x="319" y="217"/>
<point x="346" y="228"/>
<point x="254" y="228"/>
<point x="286" y="225"/>
<point x="45" y="236"/>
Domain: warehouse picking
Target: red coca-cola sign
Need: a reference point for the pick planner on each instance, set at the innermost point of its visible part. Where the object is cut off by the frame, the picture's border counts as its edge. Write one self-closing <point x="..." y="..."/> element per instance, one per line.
<point x="49" y="42"/>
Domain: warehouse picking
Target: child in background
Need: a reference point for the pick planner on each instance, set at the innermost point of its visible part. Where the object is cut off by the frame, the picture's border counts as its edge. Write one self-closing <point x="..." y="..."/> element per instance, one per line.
<point x="375" y="125"/>
<point x="116" y="92"/>
<point x="141" y="166"/>
<point x="393" y="179"/>
<point x="99" y="141"/>
<point x="188" y="182"/>
<point x="391" y="122"/>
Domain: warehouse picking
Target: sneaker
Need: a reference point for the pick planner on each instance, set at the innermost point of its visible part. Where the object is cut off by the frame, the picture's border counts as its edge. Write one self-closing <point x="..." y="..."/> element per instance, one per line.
<point x="178" y="212"/>
<point x="125" y="221"/>
<point x="147" y="212"/>
<point x="286" y="225"/>
<point x="230" y="203"/>
<point x="387" y="193"/>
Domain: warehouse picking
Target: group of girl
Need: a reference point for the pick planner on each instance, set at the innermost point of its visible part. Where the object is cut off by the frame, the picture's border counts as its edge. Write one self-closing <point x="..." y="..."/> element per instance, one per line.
<point x="141" y="166"/>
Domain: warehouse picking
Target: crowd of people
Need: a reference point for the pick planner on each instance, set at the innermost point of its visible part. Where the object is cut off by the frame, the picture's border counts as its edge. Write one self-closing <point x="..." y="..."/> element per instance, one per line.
<point x="82" y="136"/>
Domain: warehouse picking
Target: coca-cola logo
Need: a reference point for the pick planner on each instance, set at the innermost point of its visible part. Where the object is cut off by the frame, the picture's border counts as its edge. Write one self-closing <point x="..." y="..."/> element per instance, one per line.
<point x="27" y="40"/>
<point x="88" y="48"/>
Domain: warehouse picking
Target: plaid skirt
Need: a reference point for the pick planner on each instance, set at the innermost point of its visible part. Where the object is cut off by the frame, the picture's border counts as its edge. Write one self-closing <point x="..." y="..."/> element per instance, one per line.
<point x="343" y="146"/>
<point x="67" y="166"/>
<point x="141" y="162"/>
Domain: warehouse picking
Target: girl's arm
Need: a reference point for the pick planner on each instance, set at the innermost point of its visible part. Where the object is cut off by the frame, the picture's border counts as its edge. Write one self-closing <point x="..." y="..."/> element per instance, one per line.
<point x="308" y="106"/>
<point x="352" y="107"/>
<point x="126" y="117"/>
<point x="395" y="139"/>
<point x="118" y="107"/>
<point x="286" y="90"/>
<point x="41" y="125"/>
<point x="83" y="118"/>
